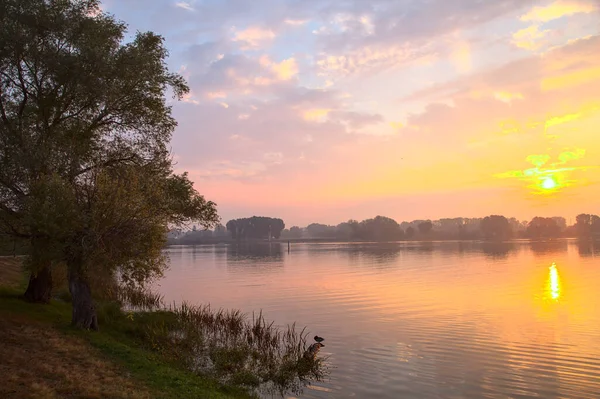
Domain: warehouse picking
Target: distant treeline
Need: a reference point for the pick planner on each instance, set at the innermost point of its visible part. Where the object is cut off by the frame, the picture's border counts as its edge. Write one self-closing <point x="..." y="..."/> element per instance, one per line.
<point x="381" y="228"/>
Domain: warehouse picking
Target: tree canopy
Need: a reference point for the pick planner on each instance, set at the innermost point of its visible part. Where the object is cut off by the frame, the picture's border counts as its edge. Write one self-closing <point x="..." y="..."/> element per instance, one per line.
<point x="255" y="227"/>
<point x="85" y="170"/>
<point x="587" y="225"/>
<point x="75" y="98"/>
<point x="541" y="227"/>
<point x="496" y="227"/>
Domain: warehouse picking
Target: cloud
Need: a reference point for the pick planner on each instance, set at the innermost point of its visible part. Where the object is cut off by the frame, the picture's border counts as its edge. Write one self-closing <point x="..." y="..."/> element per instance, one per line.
<point x="189" y="98"/>
<point x="572" y="79"/>
<point x="216" y="94"/>
<point x="356" y="120"/>
<point x="284" y="70"/>
<point x="273" y="157"/>
<point x="295" y="22"/>
<point x="274" y="106"/>
<point x="253" y="37"/>
<point x="369" y="59"/>
<point x="185" y="5"/>
<point x="478" y="112"/>
<point x="315" y="114"/>
<point x="529" y="38"/>
<point x="546" y="178"/>
<point x="507" y="97"/>
<point x="461" y="56"/>
<point x="559" y="9"/>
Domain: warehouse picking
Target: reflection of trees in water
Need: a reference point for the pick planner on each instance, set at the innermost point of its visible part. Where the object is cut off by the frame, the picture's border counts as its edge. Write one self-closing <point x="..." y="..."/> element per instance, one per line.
<point x="254" y="258"/>
<point x="376" y="253"/>
<point x="497" y="249"/>
<point x="259" y="252"/>
<point x="548" y="247"/>
<point x="387" y="253"/>
<point x="588" y="248"/>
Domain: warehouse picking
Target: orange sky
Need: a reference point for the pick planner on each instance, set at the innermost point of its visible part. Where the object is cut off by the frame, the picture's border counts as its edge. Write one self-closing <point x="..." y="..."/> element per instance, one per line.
<point x="328" y="112"/>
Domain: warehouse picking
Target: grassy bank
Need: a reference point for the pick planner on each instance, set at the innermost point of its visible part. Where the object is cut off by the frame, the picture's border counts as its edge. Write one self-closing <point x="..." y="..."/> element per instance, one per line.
<point x="43" y="357"/>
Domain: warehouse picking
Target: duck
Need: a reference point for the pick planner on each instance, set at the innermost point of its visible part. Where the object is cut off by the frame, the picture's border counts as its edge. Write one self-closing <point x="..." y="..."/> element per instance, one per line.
<point x="313" y="350"/>
<point x="319" y="339"/>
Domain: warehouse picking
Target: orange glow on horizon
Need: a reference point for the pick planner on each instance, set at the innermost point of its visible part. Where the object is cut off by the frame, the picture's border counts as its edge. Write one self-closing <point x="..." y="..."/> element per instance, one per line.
<point x="549" y="178"/>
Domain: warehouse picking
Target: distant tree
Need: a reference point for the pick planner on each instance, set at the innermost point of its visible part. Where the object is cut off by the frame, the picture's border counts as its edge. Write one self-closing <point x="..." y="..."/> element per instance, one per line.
<point x="451" y="228"/>
<point x="318" y="230"/>
<point x="380" y="228"/>
<point x="561" y="222"/>
<point x="517" y="227"/>
<point x="410" y="232"/>
<point x="354" y="226"/>
<point x="541" y="227"/>
<point x="587" y="225"/>
<point x="256" y="227"/>
<point x="495" y="227"/>
<point x="343" y="231"/>
<point x="425" y="227"/>
<point x="220" y="230"/>
<point x="295" y="232"/>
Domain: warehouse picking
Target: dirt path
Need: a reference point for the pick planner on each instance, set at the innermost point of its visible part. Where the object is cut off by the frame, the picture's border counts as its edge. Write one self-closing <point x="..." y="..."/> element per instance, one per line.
<point x="40" y="362"/>
<point x="37" y="361"/>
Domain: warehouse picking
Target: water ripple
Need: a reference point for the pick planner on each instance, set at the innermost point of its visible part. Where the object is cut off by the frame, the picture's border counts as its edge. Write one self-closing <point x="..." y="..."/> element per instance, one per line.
<point x="438" y="320"/>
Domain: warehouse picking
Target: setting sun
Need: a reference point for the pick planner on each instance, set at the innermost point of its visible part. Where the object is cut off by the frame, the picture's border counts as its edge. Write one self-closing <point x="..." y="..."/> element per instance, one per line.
<point x="548" y="183"/>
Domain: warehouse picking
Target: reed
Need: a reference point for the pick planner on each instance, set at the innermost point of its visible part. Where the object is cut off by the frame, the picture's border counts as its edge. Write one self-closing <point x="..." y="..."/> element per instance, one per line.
<point x="236" y="348"/>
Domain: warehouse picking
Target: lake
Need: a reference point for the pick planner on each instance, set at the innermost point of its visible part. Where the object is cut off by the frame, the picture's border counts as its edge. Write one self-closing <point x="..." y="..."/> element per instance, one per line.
<point x="419" y="320"/>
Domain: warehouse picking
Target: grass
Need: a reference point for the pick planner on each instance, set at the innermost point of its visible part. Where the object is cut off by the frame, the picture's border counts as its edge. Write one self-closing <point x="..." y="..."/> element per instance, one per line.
<point x="43" y="357"/>
<point x="146" y="349"/>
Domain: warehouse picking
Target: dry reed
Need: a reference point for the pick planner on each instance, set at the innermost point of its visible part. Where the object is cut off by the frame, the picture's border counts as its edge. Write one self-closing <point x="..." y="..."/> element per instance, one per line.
<point x="229" y="345"/>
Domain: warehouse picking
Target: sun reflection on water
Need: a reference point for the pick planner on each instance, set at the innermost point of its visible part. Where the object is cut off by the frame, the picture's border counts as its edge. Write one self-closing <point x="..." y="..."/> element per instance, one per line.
<point x="554" y="283"/>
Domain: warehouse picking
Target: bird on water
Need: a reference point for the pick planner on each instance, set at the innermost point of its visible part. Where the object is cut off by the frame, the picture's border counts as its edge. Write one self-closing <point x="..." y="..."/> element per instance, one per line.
<point x="319" y="339"/>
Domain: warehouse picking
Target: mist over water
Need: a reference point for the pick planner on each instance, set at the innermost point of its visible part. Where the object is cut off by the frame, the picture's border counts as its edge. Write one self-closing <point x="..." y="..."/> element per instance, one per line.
<point x="419" y="320"/>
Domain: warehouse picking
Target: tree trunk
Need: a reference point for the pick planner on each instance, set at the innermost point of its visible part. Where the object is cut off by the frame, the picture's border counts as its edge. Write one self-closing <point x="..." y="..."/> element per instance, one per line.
<point x="39" y="289"/>
<point x="84" y="312"/>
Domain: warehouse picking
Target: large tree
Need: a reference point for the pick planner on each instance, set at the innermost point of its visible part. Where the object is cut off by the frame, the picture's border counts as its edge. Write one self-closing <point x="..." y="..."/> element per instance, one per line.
<point x="495" y="227"/>
<point x="255" y="228"/>
<point x="380" y="228"/>
<point x="121" y="218"/>
<point x="587" y="225"/>
<point x="541" y="227"/>
<point x="74" y="98"/>
<point x="425" y="227"/>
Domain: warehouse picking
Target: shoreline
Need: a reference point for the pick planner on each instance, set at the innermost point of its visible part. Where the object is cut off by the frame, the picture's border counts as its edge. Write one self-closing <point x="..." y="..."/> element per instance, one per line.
<point x="221" y="241"/>
<point x="114" y="362"/>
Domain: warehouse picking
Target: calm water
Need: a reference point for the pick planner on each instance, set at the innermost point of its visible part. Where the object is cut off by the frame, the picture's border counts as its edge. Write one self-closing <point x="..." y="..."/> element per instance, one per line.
<point x="442" y="320"/>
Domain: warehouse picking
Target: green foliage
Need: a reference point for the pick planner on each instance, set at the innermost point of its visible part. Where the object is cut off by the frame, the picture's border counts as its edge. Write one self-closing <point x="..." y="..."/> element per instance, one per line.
<point x="74" y="99"/>
<point x="227" y="345"/>
<point x="121" y="343"/>
<point x="85" y="172"/>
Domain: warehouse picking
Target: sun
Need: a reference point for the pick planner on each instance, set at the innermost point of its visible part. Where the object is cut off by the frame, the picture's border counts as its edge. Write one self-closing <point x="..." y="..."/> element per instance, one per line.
<point x="549" y="183"/>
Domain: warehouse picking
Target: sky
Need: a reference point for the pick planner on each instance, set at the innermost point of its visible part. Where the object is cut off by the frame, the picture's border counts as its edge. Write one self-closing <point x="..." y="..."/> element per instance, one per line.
<point x="326" y="110"/>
